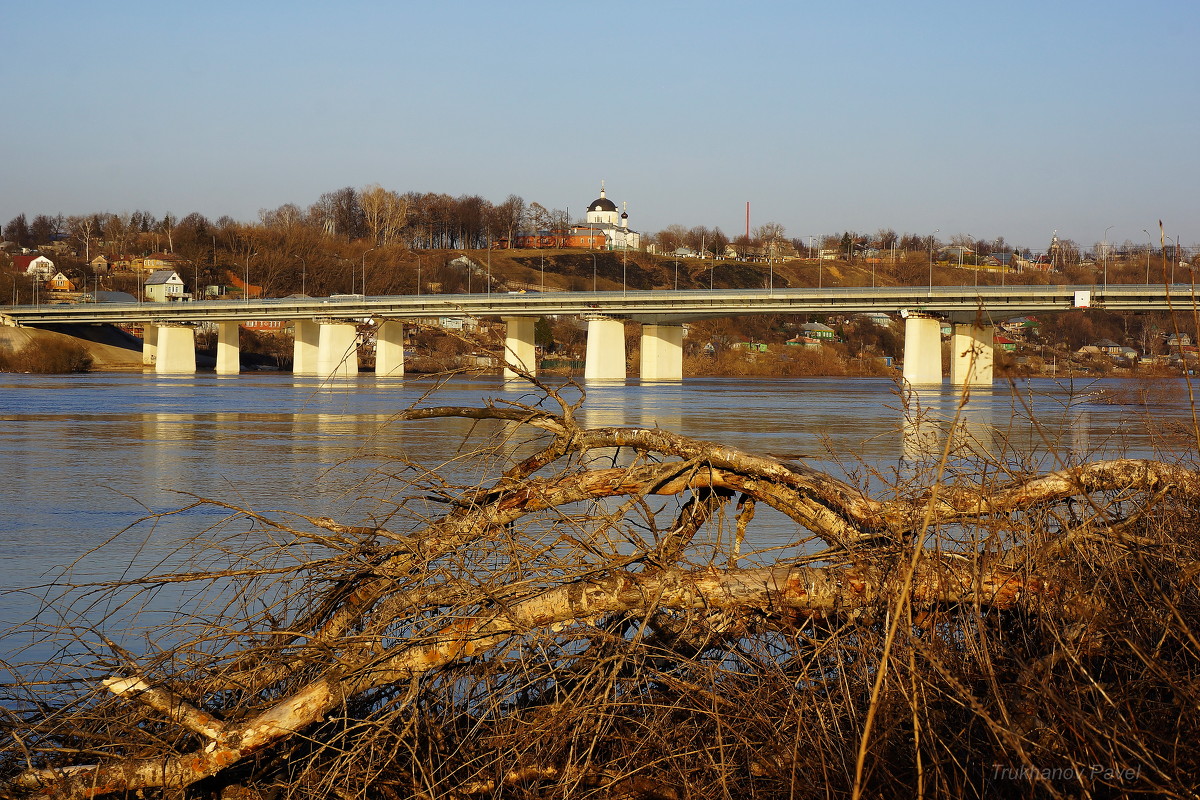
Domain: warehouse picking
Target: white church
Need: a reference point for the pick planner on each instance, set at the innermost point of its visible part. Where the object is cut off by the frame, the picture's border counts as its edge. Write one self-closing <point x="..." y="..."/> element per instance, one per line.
<point x="602" y="216"/>
<point x="604" y="229"/>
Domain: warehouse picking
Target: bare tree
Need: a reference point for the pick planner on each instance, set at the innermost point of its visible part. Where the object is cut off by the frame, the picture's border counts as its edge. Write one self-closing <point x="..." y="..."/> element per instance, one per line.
<point x="287" y="217"/>
<point x="385" y="214"/>
<point x="670" y="238"/>
<point x="772" y="236"/>
<point x="508" y="217"/>
<point x="83" y="230"/>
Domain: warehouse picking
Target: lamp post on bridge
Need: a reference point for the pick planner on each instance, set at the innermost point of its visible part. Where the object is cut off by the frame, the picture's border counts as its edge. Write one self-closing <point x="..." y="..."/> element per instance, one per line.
<point x="1104" y="244"/>
<point x="677" y="276"/>
<point x="593" y="272"/>
<point x="624" y="267"/>
<point x="1149" y="247"/>
<point x="246" y="279"/>
<point x="364" y="271"/>
<point x="820" y="264"/>
<point x="418" y="276"/>
<point x="935" y="230"/>
<point x="303" y="274"/>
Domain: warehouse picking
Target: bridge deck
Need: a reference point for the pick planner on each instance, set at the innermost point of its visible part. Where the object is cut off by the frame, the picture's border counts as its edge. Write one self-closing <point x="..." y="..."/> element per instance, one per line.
<point x="995" y="302"/>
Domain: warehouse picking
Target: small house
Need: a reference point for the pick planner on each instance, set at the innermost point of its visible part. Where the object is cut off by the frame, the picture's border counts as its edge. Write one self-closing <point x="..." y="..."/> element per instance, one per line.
<point x="157" y="261"/>
<point x="36" y="266"/>
<point x="818" y="330"/>
<point x="60" y="283"/>
<point x="1003" y="343"/>
<point x="164" y="286"/>
<point x="878" y="318"/>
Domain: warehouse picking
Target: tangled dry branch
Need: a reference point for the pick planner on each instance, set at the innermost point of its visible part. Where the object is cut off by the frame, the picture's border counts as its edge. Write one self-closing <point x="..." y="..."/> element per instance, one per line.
<point x="582" y="626"/>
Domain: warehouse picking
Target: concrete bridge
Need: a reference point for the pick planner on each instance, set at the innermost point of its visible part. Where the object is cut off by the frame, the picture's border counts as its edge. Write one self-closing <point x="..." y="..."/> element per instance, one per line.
<point x="326" y="337"/>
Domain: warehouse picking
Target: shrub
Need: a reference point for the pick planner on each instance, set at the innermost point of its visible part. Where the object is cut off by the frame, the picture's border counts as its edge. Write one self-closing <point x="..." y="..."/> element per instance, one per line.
<point x="47" y="356"/>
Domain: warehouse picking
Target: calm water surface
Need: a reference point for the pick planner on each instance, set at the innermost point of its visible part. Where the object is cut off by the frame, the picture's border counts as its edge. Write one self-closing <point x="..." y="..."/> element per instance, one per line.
<point x="86" y="456"/>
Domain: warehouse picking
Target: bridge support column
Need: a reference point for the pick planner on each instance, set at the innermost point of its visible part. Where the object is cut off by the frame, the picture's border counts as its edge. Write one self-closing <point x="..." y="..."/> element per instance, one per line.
<point x="519" y="347"/>
<point x="605" y="350"/>
<point x="306" y="335"/>
<point x="176" y="348"/>
<point x="337" y="350"/>
<point x="149" y="344"/>
<point x="971" y="353"/>
<point x="922" y="349"/>
<point x="229" y="353"/>
<point x="662" y="353"/>
<point x="389" y="349"/>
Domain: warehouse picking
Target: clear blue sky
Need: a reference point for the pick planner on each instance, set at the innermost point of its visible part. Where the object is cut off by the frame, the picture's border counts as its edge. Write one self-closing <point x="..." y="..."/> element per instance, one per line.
<point x="988" y="119"/>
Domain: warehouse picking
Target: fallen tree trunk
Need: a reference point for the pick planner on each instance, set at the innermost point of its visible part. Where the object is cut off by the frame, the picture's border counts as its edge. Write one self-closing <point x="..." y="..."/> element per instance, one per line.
<point x="535" y="599"/>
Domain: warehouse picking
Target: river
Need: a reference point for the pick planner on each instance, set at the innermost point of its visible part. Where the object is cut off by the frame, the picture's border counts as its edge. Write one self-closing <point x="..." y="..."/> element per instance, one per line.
<point x="88" y="455"/>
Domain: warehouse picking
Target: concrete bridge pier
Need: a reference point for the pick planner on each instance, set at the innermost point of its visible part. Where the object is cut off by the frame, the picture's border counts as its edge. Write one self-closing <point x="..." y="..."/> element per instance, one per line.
<point x="229" y="352"/>
<point x="605" y="350"/>
<point x="176" y="350"/>
<point x="662" y="353"/>
<point x="922" y="348"/>
<point x="306" y="333"/>
<point x="389" y="349"/>
<point x="337" y="350"/>
<point x="971" y="353"/>
<point x="149" y="344"/>
<point x="519" y="348"/>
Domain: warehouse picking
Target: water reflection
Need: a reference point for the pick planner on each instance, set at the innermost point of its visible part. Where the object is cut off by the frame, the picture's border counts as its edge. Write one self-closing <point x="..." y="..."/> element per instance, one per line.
<point x="1038" y="425"/>
<point x="87" y="455"/>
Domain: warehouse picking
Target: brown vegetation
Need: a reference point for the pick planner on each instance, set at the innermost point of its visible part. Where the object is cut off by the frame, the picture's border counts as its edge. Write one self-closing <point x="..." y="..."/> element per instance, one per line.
<point x="597" y="618"/>
<point x="45" y="354"/>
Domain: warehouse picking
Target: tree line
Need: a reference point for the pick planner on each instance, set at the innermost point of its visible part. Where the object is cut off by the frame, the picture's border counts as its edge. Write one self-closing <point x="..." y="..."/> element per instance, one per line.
<point x="345" y="223"/>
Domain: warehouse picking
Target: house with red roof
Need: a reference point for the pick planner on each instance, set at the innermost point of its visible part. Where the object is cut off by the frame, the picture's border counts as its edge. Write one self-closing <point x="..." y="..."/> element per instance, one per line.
<point x="34" y="264"/>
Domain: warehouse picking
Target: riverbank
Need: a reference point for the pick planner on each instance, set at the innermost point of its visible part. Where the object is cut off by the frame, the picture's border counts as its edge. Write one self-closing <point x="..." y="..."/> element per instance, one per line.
<point x="83" y="349"/>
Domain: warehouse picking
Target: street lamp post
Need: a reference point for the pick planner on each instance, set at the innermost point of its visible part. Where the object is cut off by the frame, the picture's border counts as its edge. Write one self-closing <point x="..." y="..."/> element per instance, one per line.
<point x="593" y="272"/>
<point x="1105" y="246"/>
<point x="935" y="230"/>
<point x="364" y="271"/>
<point x="303" y="274"/>
<point x="246" y="278"/>
<point x="624" y="266"/>
<point x="677" y="276"/>
<point x="1149" y="247"/>
<point x="418" y="276"/>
